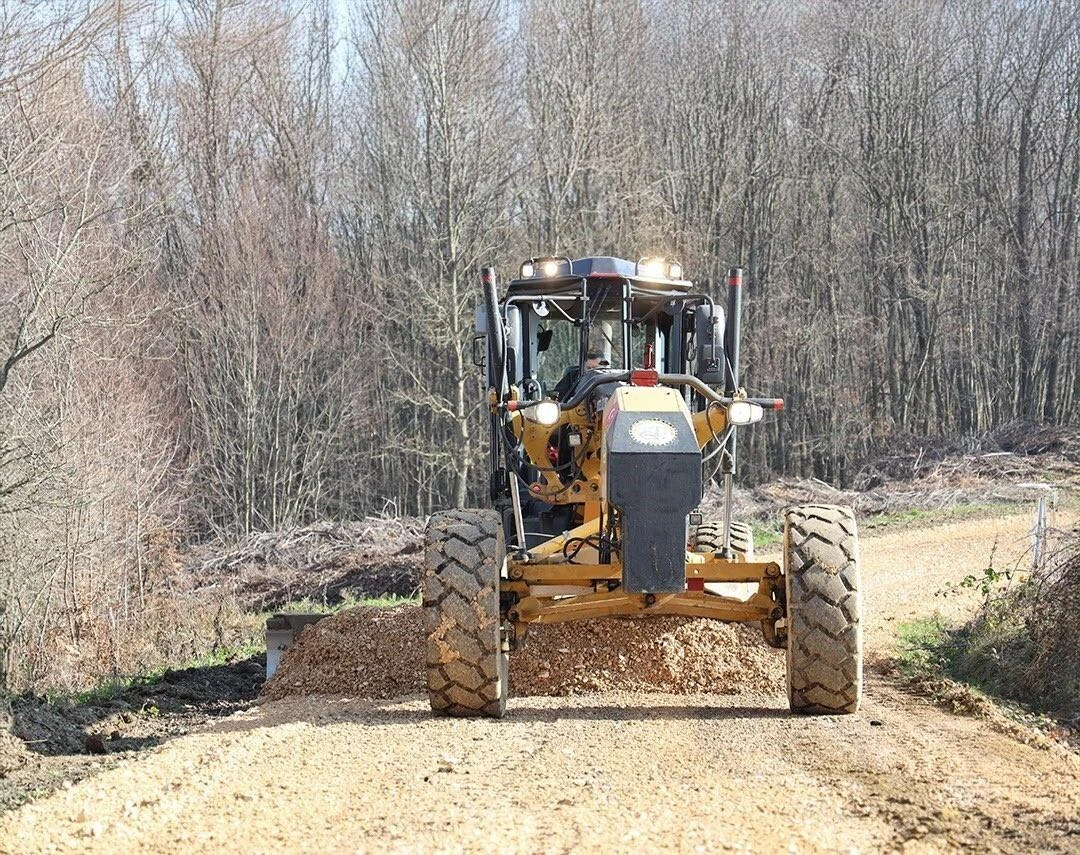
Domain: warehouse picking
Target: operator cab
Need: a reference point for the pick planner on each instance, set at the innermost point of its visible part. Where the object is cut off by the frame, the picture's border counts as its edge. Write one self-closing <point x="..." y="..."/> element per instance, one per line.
<point x="634" y="315"/>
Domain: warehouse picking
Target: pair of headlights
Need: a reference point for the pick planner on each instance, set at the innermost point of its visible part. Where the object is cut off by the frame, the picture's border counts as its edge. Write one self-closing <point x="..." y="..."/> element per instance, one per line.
<point x="548" y="413"/>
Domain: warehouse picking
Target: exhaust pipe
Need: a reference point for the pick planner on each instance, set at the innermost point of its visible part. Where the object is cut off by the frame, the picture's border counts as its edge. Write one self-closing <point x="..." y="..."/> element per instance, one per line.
<point x="733" y="329"/>
<point x="496" y="335"/>
<point x="732" y="334"/>
<point x="496" y="377"/>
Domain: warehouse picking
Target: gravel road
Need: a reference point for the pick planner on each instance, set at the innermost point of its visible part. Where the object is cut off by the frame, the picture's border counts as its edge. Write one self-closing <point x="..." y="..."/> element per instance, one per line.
<point x="604" y="772"/>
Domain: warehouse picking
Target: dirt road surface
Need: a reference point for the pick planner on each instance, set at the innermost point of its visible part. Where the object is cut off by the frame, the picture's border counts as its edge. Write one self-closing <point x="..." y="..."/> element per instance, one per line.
<point x="602" y="773"/>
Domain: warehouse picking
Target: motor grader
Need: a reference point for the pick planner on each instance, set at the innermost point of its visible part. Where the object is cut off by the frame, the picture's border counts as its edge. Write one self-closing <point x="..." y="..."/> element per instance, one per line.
<point x="614" y="400"/>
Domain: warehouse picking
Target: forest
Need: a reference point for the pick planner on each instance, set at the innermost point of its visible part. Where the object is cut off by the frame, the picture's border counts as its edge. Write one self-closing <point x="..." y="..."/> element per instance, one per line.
<point x="240" y="244"/>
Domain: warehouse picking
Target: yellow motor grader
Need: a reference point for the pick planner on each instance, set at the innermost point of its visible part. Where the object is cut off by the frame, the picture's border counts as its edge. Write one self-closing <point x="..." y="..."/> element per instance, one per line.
<point x="614" y="399"/>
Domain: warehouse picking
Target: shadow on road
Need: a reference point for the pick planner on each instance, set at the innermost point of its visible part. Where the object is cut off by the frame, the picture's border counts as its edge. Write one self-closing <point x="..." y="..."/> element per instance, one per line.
<point x="328" y="710"/>
<point x="522" y="711"/>
<point x="142" y="715"/>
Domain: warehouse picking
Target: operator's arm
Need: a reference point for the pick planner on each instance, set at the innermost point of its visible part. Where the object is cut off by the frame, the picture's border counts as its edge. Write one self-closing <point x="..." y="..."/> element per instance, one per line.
<point x="566" y="384"/>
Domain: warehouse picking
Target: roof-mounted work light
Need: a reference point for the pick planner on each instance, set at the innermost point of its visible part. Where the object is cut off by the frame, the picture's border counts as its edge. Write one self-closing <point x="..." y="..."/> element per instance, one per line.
<point x="659" y="268"/>
<point x="546" y="267"/>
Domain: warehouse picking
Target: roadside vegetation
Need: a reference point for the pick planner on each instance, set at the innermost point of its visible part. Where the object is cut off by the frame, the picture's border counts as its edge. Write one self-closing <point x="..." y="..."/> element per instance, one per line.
<point x="768" y="532"/>
<point x="1020" y="645"/>
<point x="926" y="517"/>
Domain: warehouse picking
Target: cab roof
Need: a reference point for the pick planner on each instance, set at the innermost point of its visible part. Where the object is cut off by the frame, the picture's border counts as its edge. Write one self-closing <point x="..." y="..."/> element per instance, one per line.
<point x="597" y="267"/>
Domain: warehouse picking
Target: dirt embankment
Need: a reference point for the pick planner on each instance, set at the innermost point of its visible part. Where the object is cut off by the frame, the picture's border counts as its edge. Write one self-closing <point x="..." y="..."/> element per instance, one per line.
<point x="324" y="563"/>
<point x="599" y="770"/>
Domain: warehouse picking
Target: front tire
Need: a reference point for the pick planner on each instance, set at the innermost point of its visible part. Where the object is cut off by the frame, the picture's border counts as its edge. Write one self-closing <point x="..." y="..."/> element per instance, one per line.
<point x="466" y="660"/>
<point x="824" y="610"/>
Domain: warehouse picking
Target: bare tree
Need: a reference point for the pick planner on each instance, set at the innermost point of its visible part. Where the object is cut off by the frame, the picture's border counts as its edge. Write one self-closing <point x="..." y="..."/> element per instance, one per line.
<point x="67" y="264"/>
<point x="436" y="145"/>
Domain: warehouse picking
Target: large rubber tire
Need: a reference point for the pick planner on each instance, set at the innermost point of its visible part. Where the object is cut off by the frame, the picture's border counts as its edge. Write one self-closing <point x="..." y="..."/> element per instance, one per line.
<point x="709" y="537"/>
<point x="824" y="610"/>
<point x="466" y="660"/>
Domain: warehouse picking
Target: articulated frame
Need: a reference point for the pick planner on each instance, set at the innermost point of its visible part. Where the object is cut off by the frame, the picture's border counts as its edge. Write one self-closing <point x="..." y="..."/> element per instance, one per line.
<point x="542" y="586"/>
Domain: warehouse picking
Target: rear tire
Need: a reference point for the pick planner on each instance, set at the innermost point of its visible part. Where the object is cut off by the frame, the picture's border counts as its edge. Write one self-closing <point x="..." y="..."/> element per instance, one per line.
<point x="709" y="537"/>
<point x="466" y="661"/>
<point x="824" y="610"/>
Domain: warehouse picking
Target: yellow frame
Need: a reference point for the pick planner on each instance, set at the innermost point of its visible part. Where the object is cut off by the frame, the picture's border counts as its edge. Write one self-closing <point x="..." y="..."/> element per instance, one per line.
<point x="582" y="588"/>
<point x="586" y="588"/>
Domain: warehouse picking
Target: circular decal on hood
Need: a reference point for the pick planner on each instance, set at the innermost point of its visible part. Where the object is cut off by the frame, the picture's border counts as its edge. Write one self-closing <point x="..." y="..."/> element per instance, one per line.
<point x="653" y="432"/>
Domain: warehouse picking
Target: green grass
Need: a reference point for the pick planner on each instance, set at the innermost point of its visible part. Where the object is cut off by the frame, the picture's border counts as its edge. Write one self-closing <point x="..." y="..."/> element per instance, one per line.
<point x="768" y="534"/>
<point x="993" y="658"/>
<point x="309" y="606"/>
<point x="110" y="687"/>
<point x="224" y="654"/>
<point x="115" y="685"/>
<point x="924" y="647"/>
<point x="927" y="653"/>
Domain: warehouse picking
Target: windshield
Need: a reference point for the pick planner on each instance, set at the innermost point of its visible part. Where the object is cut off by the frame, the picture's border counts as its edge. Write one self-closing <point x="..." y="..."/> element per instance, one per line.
<point x="605" y="347"/>
<point x="562" y="333"/>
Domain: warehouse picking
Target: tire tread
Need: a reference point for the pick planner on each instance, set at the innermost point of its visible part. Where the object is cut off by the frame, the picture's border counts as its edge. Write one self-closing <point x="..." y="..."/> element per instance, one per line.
<point x="466" y="665"/>
<point x="709" y="537"/>
<point x="824" y="623"/>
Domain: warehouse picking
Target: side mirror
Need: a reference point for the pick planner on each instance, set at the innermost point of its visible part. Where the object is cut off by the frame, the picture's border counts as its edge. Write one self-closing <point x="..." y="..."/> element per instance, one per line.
<point x="543" y="339"/>
<point x="479" y="350"/>
<point x="709" y="338"/>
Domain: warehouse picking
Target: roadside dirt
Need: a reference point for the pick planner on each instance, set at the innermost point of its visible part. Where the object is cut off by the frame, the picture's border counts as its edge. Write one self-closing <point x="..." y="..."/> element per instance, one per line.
<point x="62" y="742"/>
<point x="603" y="771"/>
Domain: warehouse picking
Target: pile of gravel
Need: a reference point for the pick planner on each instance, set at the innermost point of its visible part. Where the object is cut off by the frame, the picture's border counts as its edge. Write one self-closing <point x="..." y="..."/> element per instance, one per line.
<point x="379" y="653"/>
<point x="362" y="652"/>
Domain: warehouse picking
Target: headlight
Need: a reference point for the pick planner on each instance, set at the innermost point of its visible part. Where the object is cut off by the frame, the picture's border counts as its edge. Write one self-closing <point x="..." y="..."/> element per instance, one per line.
<point x="546" y="413"/>
<point x="659" y="268"/>
<point x="548" y="266"/>
<point x="744" y="413"/>
<point x="651" y="267"/>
